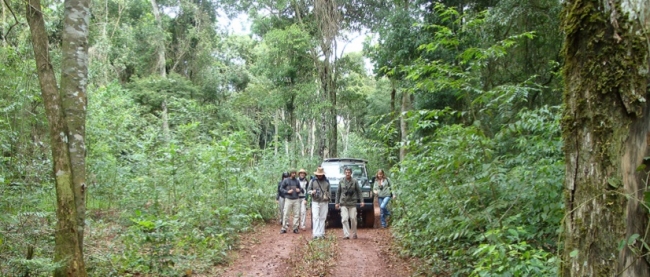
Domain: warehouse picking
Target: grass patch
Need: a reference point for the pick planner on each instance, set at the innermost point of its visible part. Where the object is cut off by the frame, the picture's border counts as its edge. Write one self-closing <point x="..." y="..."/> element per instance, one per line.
<point x="318" y="257"/>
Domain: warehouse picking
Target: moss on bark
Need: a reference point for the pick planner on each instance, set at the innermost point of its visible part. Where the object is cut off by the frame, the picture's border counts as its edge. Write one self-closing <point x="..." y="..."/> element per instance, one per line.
<point x="604" y="95"/>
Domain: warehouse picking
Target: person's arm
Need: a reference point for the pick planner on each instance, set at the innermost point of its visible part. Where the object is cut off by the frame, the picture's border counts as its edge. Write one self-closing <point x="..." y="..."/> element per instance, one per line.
<point x="358" y="189"/>
<point x="373" y="187"/>
<point x="283" y="187"/>
<point x="338" y="193"/>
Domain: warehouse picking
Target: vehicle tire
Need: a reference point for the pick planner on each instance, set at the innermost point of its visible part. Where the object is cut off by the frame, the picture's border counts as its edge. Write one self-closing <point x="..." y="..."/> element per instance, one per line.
<point x="368" y="219"/>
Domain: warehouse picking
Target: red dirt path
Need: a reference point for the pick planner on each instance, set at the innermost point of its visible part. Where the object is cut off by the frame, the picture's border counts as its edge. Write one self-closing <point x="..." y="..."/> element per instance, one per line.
<point x="266" y="252"/>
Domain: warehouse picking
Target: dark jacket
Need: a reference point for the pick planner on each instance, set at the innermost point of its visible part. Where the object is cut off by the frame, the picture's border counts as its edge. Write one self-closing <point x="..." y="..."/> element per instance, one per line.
<point x="280" y="194"/>
<point x="289" y="184"/>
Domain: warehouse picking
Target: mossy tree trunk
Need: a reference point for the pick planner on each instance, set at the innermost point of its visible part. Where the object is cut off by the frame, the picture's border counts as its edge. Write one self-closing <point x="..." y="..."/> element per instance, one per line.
<point x="606" y="127"/>
<point x="328" y="18"/>
<point x="66" y="111"/>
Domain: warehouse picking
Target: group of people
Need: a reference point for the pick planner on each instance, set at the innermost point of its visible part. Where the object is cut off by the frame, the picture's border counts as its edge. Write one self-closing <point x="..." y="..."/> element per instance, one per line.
<point x="295" y="190"/>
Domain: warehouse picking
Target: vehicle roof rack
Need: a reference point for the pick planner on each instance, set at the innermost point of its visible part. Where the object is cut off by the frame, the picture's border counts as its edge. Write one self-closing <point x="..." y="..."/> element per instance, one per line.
<point x="344" y="160"/>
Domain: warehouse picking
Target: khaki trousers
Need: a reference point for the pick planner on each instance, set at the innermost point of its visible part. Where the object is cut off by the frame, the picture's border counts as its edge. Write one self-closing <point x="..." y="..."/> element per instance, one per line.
<point x="349" y="213"/>
<point x="291" y="205"/>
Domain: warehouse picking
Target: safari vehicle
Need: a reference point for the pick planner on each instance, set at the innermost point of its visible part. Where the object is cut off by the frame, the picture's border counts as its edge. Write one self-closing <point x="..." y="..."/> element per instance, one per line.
<point x="335" y="172"/>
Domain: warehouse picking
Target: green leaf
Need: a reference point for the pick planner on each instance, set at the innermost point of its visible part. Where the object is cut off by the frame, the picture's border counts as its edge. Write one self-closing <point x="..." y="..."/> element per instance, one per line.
<point x="632" y="239"/>
<point x="573" y="253"/>
<point x="621" y="244"/>
<point x="614" y="182"/>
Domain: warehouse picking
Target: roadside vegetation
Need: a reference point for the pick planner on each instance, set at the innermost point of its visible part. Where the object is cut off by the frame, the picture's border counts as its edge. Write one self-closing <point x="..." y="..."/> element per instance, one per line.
<point x="462" y="108"/>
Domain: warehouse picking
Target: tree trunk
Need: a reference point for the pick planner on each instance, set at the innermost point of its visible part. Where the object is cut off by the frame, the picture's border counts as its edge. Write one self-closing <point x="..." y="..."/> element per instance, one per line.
<point x="160" y="47"/>
<point x="276" y="133"/>
<point x="2" y="31"/>
<point x="165" y="123"/>
<point x="333" y="136"/>
<point x="403" y="125"/>
<point x="605" y="129"/>
<point x="328" y="18"/>
<point x="67" y="135"/>
<point x="312" y="138"/>
<point x="74" y="77"/>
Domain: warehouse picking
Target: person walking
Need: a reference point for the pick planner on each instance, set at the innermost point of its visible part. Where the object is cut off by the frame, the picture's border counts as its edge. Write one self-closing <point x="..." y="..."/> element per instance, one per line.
<point x="280" y="198"/>
<point x="347" y="196"/>
<point x="302" y="179"/>
<point x="319" y="190"/>
<point x="291" y="189"/>
<point x="381" y="187"/>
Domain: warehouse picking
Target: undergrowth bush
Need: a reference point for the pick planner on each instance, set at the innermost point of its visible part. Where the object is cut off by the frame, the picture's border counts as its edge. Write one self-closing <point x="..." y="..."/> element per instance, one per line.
<point x="465" y="187"/>
<point x="179" y="201"/>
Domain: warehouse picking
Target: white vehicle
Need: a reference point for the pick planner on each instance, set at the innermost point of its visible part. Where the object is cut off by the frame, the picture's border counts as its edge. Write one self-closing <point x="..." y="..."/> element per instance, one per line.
<point x="334" y="172"/>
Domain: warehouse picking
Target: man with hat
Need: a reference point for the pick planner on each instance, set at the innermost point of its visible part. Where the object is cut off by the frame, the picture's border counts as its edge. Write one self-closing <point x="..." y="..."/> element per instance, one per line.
<point x="319" y="189"/>
<point x="302" y="179"/>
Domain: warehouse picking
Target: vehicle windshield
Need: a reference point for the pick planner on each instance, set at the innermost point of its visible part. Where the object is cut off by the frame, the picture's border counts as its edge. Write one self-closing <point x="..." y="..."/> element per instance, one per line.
<point x="338" y="170"/>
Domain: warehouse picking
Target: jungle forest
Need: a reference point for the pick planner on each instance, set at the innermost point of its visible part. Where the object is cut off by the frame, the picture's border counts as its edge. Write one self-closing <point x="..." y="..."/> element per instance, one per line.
<point x="147" y="137"/>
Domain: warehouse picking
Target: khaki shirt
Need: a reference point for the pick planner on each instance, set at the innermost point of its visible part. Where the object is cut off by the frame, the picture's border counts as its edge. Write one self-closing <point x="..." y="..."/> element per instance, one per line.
<point x="322" y="190"/>
<point x="383" y="189"/>
<point x="348" y="193"/>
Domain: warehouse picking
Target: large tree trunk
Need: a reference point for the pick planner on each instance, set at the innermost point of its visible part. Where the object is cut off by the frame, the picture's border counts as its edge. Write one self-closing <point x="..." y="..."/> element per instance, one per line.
<point x="74" y="77"/>
<point x="328" y="19"/>
<point x="160" y="47"/>
<point x="65" y="139"/>
<point x="605" y="128"/>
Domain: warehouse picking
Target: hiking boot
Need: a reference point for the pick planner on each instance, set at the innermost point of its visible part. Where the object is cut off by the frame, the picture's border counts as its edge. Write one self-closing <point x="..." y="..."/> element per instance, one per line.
<point x="346" y="237"/>
<point x="283" y="231"/>
<point x="295" y="231"/>
<point x="354" y="237"/>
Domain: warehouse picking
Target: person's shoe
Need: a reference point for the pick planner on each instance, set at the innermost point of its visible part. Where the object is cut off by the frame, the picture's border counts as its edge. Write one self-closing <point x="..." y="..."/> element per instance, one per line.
<point x="346" y="237"/>
<point x="295" y="231"/>
<point x="303" y="228"/>
<point x="354" y="237"/>
<point x="283" y="231"/>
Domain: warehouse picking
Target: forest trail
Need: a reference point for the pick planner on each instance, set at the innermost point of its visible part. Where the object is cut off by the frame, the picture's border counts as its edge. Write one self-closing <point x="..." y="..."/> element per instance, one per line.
<point x="266" y="252"/>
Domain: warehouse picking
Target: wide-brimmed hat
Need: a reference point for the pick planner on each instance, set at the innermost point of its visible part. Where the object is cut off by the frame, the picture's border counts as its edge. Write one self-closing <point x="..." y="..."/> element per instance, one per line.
<point x="319" y="171"/>
<point x="302" y="170"/>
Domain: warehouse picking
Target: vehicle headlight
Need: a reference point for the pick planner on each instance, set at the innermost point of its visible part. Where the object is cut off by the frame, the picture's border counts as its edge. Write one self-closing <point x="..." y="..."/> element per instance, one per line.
<point x="365" y="194"/>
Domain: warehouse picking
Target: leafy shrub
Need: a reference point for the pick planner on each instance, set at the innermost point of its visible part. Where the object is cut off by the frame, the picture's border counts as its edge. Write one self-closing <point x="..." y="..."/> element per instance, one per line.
<point x="463" y="184"/>
<point x="505" y="252"/>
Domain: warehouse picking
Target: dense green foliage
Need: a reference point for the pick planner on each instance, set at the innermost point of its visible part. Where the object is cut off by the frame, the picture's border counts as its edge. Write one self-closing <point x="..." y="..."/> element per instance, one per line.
<point x="179" y="164"/>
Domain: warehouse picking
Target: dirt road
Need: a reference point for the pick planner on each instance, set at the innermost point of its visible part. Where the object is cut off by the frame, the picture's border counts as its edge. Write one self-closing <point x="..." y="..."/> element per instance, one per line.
<point x="266" y="252"/>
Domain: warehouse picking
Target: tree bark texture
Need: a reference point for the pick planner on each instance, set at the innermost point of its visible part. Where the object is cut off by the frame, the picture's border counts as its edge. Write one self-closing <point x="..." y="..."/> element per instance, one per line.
<point x="67" y="250"/>
<point x="606" y="127"/>
<point x="328" y="19"/>
<point x="160" y="47"/>
<point x="74" y="78"/>
<point x="406" y="103"/>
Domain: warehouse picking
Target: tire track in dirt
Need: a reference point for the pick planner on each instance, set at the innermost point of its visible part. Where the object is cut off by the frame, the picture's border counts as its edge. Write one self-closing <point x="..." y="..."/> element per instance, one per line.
<point x="266" y="252"/>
